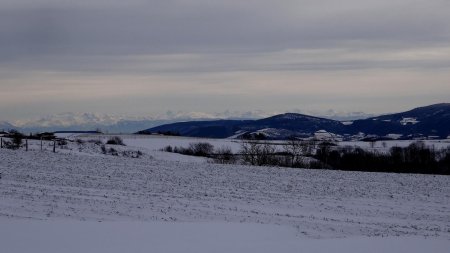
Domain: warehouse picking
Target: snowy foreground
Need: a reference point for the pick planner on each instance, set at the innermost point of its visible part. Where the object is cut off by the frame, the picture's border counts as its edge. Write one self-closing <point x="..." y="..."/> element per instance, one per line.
<point x="77" y="200"/>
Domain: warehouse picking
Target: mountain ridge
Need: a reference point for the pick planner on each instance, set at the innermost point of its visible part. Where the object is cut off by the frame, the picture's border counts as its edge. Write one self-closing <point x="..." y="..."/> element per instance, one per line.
<point x="432" y="121"/>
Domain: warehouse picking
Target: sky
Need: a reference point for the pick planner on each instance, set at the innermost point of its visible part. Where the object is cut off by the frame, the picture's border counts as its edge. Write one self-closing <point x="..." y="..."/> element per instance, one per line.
<point x="147" y="57"/>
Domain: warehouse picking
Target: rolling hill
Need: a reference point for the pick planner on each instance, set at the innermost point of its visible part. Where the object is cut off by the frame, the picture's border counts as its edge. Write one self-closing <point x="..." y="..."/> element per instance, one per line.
<point x="424" y="122"/>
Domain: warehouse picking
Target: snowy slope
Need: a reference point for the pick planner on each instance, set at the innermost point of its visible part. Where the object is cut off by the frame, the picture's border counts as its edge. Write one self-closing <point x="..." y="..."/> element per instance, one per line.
<point x="140" y="237"/>
<point x="294" y="207"/>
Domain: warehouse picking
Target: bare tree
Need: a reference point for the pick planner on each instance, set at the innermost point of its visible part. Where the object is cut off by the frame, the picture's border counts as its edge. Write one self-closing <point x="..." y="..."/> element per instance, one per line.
<point x="296" y="148"/>
<point x="258" y="153"/>
<point x="201" y="148"/>
<point x="224" y="155"/>
<point x="250" y="150"/>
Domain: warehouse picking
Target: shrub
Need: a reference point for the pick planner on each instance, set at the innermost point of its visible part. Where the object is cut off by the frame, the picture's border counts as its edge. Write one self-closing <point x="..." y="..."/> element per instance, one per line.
<point x="258" y="153"/>
<point x="224" y="155"/>
<point x="168" y="149"/>
<point x="169" y="133"/>
<point x="416" y="158"/>
<point x="103" y="148"/>
<point x="61" y="142"/>
<point x="131" y="153"/>
<point x="15" y="141"/>
<point x="201" y="148"/>
<point x="115" y="140"/>
<point x="113" y="152"/>
<point x="195" y="149"/>
<point x="95" y="141"/>
<point x="79" y="141"/>
<point x="296" y="149"/>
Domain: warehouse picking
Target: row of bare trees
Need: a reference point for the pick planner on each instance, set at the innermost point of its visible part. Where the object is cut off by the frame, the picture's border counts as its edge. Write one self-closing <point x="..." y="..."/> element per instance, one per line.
<point x="416" y="158"/>
<point x="292" y="153"/>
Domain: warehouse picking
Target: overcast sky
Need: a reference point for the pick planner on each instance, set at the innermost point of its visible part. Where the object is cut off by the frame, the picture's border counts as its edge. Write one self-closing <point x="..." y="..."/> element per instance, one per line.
<point x="144" y="57"/>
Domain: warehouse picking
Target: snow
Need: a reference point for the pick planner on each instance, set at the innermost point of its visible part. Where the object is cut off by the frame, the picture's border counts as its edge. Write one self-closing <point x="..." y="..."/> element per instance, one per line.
<point x="237" y="134"/>
<point x="275" y="133"/>
<point x="394" y="136"/>
<point x="323" y="135"/>
<point x="119" y="237"/>
<point x="69" y="135"/>
<point x="407" y="121"/>
<point x="79" y="200"/>
<point x="158" y="142"/>
<point x="386" y="145"/>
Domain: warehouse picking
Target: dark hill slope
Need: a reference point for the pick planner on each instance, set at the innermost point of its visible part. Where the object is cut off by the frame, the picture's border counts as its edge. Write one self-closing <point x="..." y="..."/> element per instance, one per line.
<point x="433" y="120"/>
<point x="225" y="128"/>
<point x="209" y="129"/>
<point x="428" y="120"/>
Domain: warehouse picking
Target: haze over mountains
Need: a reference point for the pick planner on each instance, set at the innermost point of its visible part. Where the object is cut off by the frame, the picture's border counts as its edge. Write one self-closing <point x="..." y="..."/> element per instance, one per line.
<point x="424" y="122"/>
<point x="129" y="124"/>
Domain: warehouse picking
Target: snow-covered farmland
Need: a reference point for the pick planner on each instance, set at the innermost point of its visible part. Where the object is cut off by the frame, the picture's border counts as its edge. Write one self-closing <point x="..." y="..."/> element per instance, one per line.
<point x="79" y="200"/>
<point x="158" y="142"/>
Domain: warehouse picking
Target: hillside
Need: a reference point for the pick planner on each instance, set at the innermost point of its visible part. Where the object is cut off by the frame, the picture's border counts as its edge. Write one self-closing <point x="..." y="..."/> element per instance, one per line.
<point x="433" y="120"/>
<point x="289" y="123"/>
<point x="427" y="122"/>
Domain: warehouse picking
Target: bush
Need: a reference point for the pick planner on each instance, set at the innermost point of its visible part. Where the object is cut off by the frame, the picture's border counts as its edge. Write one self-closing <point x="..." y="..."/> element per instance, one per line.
<point x="195" y="149"/>
<point x="79" y="141"/>
<point x="113" y="152"/>
<point x="201" y="148"/>
<point x="297" y="149"/>
<point x="103" y="148"/>
<point x="115" y="140"/>
<point x="132" y="154"/>
<point x="224" y="155"/>
<point x="16" y="139"/>
<point x="416" y="158"/>
<point x="61" y="142"/>
<point x="169" y="133"/>
<point x="168" y="149"/>
<point x="258" y="153"/>
<point x="95" y="141"/>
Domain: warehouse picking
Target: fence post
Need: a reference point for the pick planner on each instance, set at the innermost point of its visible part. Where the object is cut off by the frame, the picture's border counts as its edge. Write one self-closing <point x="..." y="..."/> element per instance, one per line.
<point x="1" y="141"/>
<point x="54" y="146"/>
<point x="26" y="144"/>
<point x="41" y="143"/>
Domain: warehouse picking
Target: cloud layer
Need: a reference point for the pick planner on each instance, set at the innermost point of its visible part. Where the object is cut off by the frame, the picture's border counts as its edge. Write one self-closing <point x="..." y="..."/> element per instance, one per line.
<point x="150" y="56"/>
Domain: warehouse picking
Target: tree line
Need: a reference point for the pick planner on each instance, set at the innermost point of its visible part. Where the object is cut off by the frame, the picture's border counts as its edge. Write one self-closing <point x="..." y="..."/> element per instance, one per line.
<point x="311" y="154"/>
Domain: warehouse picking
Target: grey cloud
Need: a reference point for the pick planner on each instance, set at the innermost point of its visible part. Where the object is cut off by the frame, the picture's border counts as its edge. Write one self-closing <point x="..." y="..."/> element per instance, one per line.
<point x="58" y="46"/>
<point x="428" y="58"/>
<point x="226" y="26"/>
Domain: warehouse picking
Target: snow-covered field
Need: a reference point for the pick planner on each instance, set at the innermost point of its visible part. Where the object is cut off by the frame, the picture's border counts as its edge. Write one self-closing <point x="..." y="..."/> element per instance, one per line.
<point x="79" y="200"/>
<point x="157" y="142"/>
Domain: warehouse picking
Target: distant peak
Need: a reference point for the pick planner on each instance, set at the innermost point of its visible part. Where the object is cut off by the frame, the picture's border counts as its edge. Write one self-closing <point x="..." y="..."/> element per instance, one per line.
<point x="290" y="115"/>
<point x="440" y="105"/>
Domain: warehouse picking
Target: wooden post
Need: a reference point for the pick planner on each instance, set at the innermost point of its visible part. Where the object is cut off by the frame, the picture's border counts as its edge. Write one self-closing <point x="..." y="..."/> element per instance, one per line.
<point x="1" y="141"/>
<point x="41" y="143"/>
<point x="26" y="144"/>
<point x="54" y="146"/>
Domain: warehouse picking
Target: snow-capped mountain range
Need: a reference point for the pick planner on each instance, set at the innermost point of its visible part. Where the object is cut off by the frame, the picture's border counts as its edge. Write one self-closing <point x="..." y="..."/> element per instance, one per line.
<point x="6" y="126"/>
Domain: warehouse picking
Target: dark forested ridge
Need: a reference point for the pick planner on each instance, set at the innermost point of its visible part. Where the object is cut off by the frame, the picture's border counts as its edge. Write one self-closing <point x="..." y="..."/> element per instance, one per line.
<point x="428" y="122"/>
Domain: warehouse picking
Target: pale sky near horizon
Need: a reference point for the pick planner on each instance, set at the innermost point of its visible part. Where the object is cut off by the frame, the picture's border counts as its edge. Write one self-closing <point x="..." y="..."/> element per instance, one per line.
<point x="145" y="57"/>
